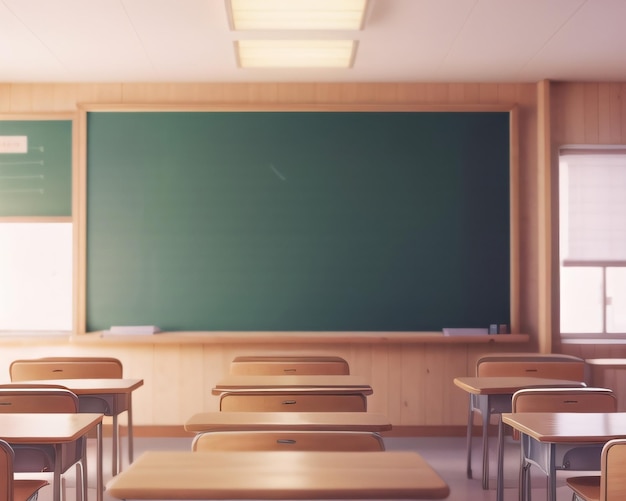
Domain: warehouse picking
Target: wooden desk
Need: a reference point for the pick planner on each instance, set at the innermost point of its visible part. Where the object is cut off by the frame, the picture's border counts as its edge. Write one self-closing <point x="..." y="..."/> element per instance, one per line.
<point x="278" y="475"/>
<point x="492" y="396"/>
<point x="288" y="365"/>
<point x="608" y="373"/>
<point x="55" y="430"/>
<point x="307" y="393"/>
<point x="543" y="432"/>
<point x="115" y="393"/>
<point x="308" y="383"/>
<point x="281" y="421"/>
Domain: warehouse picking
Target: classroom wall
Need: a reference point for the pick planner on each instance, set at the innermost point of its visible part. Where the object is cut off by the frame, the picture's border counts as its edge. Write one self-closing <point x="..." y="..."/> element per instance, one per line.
<point x="412" y="381"/>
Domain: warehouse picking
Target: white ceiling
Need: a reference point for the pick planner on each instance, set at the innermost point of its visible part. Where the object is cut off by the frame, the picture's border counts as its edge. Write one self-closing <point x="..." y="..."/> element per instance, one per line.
<point x="403" y="40"/>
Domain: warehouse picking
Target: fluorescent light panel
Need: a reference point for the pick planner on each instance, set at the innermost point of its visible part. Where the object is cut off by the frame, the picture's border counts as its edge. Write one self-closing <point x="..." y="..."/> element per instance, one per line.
<point x="297" y="14"/>
<point x="295" y="53"/>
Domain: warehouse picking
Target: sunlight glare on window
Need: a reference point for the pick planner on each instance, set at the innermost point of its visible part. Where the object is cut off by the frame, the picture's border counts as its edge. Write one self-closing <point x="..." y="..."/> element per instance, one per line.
<point x="581" y="300"/>
<point x="616" y="292"/>
<point x="35" y="277"/>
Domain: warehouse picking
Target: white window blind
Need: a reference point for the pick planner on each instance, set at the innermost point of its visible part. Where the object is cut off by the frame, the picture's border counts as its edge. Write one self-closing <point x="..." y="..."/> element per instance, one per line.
<point x="593" y="206"/>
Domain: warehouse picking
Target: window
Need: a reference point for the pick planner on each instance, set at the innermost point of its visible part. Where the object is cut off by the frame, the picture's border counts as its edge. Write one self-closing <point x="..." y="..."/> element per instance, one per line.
<point x="592" y="241"/>
<point x="36" y="277"/>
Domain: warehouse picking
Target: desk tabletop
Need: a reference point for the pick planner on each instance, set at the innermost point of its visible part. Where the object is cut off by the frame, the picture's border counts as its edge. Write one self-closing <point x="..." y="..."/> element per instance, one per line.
<point x="569" y="427"/>
<point x="281" y="421"/>
<point x="87" y="386"/>
<point x="618" y="363"/>
<point x="45" y="428"/>
<point x="509" y="385"/>
<point x="278" y="475"/>
<point x="280" y="383"/>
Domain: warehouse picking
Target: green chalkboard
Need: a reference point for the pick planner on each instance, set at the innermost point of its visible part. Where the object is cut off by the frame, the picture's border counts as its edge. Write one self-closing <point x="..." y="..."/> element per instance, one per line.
<point x="36" y="168"/>
<point x="298" y="221"/>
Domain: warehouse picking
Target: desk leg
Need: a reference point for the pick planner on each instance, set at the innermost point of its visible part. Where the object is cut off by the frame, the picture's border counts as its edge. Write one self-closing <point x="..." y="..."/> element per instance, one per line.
<point x="115" y="445"/>
<point x="523" y="469"/>
<point x="99" y="481"/>
<point x="470" y="423"/>
<point x="484" y="404"/>
<point x="130" y="431"/>
<point x="551" y="473"/>
<point x="500" y="474"/>
<point x="56" y="481"/>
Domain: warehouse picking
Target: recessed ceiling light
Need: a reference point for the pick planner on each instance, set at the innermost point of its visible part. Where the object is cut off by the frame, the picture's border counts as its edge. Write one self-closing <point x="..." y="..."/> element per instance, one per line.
<point x="297" y="14"/>
<point x="295" y="53"/>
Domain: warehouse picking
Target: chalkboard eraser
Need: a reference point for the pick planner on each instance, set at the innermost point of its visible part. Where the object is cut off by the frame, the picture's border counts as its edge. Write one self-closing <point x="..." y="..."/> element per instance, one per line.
<point x="132" y="330"/>
<point x="464" y="331"/>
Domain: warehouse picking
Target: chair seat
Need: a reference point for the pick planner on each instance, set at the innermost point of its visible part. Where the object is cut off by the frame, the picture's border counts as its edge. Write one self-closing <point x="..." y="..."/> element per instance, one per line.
<point x="26" y="489"/>
<point x="587" y="487"/>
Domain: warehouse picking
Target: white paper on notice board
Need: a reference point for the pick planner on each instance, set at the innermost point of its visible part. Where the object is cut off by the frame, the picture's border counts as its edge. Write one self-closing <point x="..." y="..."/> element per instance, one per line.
<point x="13" y="144"/>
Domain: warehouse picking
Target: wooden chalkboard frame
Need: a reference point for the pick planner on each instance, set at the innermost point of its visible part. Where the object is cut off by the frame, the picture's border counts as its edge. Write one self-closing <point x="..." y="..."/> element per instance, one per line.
<point x="84" y="111"/>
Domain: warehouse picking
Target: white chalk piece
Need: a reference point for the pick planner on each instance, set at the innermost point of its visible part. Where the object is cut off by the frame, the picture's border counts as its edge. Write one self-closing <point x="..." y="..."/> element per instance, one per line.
<point x="132" y="330"/>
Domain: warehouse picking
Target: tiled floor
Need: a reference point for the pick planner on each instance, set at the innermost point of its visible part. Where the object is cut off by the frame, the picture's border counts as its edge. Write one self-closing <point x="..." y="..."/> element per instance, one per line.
<point x="446" y="455"/>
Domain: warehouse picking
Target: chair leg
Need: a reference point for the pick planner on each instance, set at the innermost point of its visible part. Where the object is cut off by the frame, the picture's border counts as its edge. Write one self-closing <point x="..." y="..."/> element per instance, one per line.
<point x="115" y="441"/>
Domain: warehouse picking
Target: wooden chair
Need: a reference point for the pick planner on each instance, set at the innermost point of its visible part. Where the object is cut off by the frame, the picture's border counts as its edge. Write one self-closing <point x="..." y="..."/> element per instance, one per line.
<point x="47" y="368"/>
<point x="289" y="365"/>
<point x="583" y="457"/>
<point x="552" y="366"/>
<point x="43" y="458"/>
<point x="66" y="368"/>
<point x="288" y="441"/>
<point x="610" y="485"/>
<point x="292" y="402"/>
<point x="10" y="488"/>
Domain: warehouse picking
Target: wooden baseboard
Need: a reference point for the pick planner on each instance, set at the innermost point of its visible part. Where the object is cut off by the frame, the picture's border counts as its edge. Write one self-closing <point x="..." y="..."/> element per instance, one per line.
<point x="178" y="431"/>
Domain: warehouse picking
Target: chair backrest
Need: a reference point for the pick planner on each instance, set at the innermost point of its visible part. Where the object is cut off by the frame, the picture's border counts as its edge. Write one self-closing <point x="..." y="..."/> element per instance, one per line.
<point x="612" y="478"/>
<point x="563" y="400"/>
<point x="66" y="368"/>
<point x="6" y="471"/>
<point x="587" y="399"/>
<point x="552" y="366"/>
<point x="37" y="400"/>
<point x="288" y="441"/>
<point x="289" y="365"/>
<point x="11" y="489"/>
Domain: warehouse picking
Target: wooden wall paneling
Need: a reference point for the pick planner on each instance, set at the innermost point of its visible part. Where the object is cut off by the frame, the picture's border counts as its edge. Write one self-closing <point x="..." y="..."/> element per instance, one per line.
<point x="610" y="113"/>
<point x="591" y="116"/>
<point x="569" y="118"/>
<point x="5" y="97"/>
<point x="411" y="396"/>
<point x="440" y="371"/>
<point x="411" y="93"/>
<point x="392" y="388"/>
<point x="621" y="104"/>
<point x="488" y="93"/>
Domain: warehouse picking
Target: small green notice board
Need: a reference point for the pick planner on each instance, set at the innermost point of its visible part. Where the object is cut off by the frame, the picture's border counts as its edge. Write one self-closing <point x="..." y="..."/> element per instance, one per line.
<point x="35" y="168"/>
<point x="298" y="221"/>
